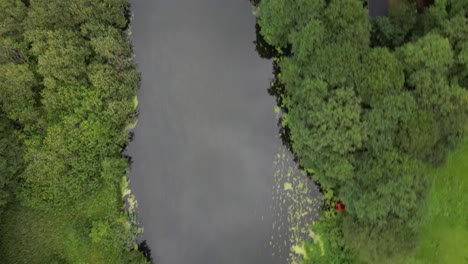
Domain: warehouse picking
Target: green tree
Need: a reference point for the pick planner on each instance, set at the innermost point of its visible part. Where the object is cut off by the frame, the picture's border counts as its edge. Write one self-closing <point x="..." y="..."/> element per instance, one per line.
<point x="61" y="55"/>
<point x="14" y="11"/>
<point x="347" y="22"/>
<point x="386" y="118"/>
<point x="382" y="76"/>
<point x="17" y="97"/>
<point x="369" y="109"/>
<point x="10" y="161"/>
<point x="397" y="28"/>
<point x="277" y="17"/>
<point x="387" y="186"/>
<point x="440" y="126"/>
<point x="325" y="129"/>
<point x="329" y="246"/>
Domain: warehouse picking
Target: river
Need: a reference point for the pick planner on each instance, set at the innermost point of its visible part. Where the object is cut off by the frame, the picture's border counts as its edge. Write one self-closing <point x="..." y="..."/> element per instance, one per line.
<point x="205" y="145"/>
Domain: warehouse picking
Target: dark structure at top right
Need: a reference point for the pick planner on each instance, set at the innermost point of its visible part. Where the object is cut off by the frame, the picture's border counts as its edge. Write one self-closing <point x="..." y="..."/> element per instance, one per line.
<point x="378" y="8"/>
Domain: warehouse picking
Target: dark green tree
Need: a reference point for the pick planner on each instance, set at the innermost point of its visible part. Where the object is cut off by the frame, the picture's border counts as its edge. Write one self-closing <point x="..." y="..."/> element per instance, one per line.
<point x="10" y="161"/>
<point x="17" y="97"/>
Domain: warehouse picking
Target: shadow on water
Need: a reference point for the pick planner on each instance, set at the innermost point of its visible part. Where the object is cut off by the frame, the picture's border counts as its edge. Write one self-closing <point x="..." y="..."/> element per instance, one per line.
<point x="146" y="251"/>
<point x="277" y="88"/>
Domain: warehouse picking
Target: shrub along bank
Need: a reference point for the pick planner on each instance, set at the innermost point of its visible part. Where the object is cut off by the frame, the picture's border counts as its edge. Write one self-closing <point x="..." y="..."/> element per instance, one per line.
<point x="67" y="98"/>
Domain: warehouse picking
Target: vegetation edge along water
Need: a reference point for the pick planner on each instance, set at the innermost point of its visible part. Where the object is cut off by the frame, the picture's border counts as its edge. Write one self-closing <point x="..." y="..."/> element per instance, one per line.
<point x="67" y="102"/>
<point x="368" y="104"/>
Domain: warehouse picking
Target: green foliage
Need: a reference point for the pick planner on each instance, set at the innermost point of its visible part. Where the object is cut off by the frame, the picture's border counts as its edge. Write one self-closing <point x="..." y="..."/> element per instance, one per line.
<point x="370" y="109"/>
<point x="419" y="136"/>
<point x="111" y="45"/>
<point x="396" y="28"/>
<point x="10" y="161"/>
<point x="334" y="129"/>
<point x="329" y="246"/>
<point x="68" y="83"/>
<point x="280" y="14"/>
<point x="430" y="53"/>
<point x="382" y="76"/>
<point x="347" y="22"/>
<point x="17" y="83"/>
<point x="13" y="12"/>
<point x="61" y="55"/>
<point x="52" y="15"/>
<point x="439" y="126"/>
<point x="386" y="117"/>
<point x="378" y="243"/>
<point x="101" y="232"/>
<point x="386" y="186"/>
<point x="35" y="236"/>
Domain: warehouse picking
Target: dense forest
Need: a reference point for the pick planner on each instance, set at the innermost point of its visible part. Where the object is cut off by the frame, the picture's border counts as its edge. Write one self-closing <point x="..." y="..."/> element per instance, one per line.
<point x="67" y="101"/>
<point x="371" y="106"/>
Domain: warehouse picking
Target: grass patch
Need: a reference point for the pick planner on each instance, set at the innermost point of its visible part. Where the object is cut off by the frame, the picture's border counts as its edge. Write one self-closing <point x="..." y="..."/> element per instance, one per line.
<point x="444" y="235"/>
<point x="32" y="236"/>
<point x="94" y="231"/>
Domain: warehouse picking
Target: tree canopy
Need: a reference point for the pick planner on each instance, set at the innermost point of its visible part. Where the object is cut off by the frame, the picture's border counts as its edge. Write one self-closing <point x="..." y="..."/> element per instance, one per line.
<point x="370" y="104"/>
<point x="67" y="100"/>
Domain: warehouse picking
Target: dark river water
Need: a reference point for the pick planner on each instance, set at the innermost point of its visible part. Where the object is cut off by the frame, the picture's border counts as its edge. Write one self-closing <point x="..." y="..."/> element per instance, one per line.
<point x="206" y="140"/>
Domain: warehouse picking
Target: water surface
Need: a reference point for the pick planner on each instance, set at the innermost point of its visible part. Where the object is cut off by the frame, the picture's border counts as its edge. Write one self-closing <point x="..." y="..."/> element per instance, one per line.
<point x="206" y="140"/>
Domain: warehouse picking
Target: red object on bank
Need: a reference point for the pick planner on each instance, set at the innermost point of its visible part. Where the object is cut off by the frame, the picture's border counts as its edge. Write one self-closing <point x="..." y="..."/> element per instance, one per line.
<point x="340" y="207"/>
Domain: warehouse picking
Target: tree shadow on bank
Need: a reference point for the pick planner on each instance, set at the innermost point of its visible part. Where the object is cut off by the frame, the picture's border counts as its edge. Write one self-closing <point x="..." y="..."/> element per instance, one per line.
<point x="146" y="251"/>
<point x="277" y="88"/>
